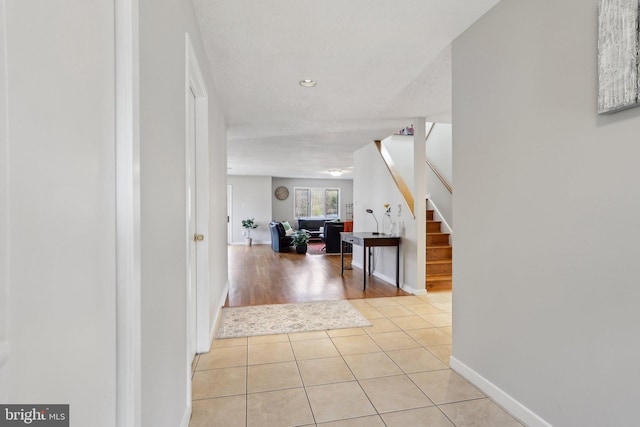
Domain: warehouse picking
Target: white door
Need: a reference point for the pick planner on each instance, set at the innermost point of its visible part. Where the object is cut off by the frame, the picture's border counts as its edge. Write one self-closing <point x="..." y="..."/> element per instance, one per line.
<point x="191" y="224"/>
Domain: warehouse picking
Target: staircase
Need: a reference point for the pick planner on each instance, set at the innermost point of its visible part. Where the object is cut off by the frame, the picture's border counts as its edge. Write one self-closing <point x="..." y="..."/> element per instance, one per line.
<point x="438" y="256"/>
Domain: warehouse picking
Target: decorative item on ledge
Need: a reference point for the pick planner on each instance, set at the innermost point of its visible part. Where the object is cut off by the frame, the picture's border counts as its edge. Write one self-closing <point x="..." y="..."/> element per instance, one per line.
<point x="406" y="131"/>
<point x="249" y="224"/>
<point x="300" y="239"/>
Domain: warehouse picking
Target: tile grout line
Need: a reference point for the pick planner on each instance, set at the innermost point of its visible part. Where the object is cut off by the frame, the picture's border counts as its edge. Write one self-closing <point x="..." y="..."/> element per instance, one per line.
<point x="342" y="357"/>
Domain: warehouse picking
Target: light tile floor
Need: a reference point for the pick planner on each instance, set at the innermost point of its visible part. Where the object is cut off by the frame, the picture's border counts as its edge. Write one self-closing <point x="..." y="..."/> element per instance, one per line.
<point x="394" y="373"/>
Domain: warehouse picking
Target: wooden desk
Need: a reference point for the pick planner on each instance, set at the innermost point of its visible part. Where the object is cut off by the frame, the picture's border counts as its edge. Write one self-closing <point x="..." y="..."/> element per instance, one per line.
<point x="368" y="240"/>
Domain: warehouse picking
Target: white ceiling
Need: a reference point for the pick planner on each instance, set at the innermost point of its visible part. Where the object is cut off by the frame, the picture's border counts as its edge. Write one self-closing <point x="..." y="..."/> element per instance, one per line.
<point x="378" y="63"/>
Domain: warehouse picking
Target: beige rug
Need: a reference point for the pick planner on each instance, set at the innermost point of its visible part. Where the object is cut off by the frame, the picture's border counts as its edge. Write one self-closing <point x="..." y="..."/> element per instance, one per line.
<point x="288" y="318"/>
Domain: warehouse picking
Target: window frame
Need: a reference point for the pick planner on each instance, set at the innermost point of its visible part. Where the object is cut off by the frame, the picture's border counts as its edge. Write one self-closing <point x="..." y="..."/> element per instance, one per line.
<point x="324" y="202"/>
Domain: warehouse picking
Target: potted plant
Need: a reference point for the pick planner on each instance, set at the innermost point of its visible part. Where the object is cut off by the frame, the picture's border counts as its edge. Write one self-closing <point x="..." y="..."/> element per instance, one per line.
<point x="300" y="239"/>
<point x="249" y="224"/>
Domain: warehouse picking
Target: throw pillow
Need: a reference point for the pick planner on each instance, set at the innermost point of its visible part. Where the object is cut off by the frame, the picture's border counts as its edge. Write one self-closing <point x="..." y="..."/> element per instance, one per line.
<point x="286" y="226"/>
<point x="289" y="232"/>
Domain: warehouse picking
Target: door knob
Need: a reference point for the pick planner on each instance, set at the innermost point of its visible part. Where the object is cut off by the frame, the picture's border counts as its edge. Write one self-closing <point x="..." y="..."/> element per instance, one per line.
<point x="198" y="237"/>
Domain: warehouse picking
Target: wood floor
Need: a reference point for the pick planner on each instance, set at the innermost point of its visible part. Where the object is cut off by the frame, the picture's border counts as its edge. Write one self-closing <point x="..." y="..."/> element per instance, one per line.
<point x="258" y="276"/>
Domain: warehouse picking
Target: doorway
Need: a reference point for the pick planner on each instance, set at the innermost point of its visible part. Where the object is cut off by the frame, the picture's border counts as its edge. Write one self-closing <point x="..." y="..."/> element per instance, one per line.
<point x="196" y="210"/>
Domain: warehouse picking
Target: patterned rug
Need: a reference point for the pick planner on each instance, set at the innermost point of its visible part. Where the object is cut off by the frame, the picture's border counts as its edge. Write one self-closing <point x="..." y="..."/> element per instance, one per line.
<point x="287" y="318"/>
<point x="315" y="248"/>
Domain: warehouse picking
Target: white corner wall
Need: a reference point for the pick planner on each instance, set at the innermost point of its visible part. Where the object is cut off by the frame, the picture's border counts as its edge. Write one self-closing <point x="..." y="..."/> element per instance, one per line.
<point x="251" y="199"/>
<point x="58" y="170"/>
<point x="162" y="137"/>
<point x="546" y="296"/>
<point x="373" y="186"/>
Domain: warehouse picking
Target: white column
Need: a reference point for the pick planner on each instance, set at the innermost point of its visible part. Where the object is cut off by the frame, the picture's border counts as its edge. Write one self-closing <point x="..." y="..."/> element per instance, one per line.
<point x="419" y="197"/>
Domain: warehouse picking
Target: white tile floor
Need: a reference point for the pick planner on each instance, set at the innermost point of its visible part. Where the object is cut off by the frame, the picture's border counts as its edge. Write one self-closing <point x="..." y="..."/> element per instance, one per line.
<point x="394" y="373"/>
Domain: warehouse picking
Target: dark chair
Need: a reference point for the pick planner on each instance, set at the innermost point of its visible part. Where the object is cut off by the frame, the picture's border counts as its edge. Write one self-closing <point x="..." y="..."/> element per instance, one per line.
<point x="280" y="242"/>
<point x="331" y="236"/>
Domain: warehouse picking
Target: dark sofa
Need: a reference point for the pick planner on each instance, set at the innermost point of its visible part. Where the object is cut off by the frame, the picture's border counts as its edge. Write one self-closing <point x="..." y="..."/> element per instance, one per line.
<point x="312" y="225"/>
<point x="280" y="242"/>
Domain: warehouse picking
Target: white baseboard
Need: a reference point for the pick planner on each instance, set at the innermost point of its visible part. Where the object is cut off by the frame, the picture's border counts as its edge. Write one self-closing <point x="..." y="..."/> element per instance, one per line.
<point x="511" y="405"/>
<point x="186" y="418"/>
<point x="391" y="280"/>
<point x="413" y="290"/>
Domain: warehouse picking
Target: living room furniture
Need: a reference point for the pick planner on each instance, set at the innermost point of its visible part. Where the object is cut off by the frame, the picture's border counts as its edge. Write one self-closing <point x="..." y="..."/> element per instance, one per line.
<point x="369" y="240"/>
<point x="331" y="236"/>
<point x="280" y="242"/>
<point x="312" y="225"/>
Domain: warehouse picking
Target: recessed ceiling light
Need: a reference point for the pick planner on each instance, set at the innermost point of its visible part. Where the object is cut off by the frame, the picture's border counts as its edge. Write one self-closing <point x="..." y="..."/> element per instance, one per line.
<point x="307" y="83"/>
<point x="335" y="172"/>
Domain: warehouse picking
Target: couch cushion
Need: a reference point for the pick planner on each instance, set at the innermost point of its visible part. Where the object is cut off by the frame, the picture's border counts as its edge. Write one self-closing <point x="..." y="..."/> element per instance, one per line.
<point x="286" y="225"/>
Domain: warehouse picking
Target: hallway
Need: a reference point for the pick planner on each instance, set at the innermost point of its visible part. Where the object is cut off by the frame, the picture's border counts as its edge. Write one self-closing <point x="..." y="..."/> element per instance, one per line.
<point x="394" y="373"/>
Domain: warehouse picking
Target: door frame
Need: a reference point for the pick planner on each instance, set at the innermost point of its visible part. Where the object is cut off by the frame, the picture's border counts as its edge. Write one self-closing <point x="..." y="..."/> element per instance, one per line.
<point x="195" y="82"/>
<point x="128" y="258"/>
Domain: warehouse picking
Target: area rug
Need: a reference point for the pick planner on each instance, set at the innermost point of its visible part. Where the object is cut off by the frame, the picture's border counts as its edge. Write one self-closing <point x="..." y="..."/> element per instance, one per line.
<point x="315" y="249"/>
<point x="288" y="318"/>
<point x="318" y="249"/>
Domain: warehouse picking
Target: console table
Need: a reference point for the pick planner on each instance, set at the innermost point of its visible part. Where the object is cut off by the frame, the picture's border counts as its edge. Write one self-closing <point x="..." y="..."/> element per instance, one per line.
<point x="368" y="240"/>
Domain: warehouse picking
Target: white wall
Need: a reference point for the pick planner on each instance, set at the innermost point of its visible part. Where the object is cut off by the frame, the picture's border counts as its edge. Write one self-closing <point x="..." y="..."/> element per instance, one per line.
<point x="59" y="172"/>
<point x="439" y="152"/>
<point x="283" y="209"/>
<point x="373" y="186"/>
<point x="400" y="147"/>
<point x="546" y="202"/>
<point x="251" y="199"/>
<point x="162" y="108"/>
<point x="218" y="262"/>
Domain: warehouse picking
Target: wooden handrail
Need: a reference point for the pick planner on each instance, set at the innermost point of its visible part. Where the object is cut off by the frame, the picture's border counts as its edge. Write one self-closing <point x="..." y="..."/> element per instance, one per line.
<point x="440" y="177"/>
<point x="395" y="173"/>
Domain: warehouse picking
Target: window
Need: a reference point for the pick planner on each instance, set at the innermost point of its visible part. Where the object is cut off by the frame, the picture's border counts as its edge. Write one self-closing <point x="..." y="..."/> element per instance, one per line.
<point x="322" y="202"/>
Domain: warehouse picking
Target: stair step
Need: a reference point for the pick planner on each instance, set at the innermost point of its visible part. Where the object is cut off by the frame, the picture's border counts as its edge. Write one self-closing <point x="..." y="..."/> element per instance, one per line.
<point x="439" y="266"/>
<point x="433" y="226"/>
<point x="439" y="252"/>
<point x="437" y="238"/>
<point x="429" y="214"/>
<point x="439" y="282"/>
